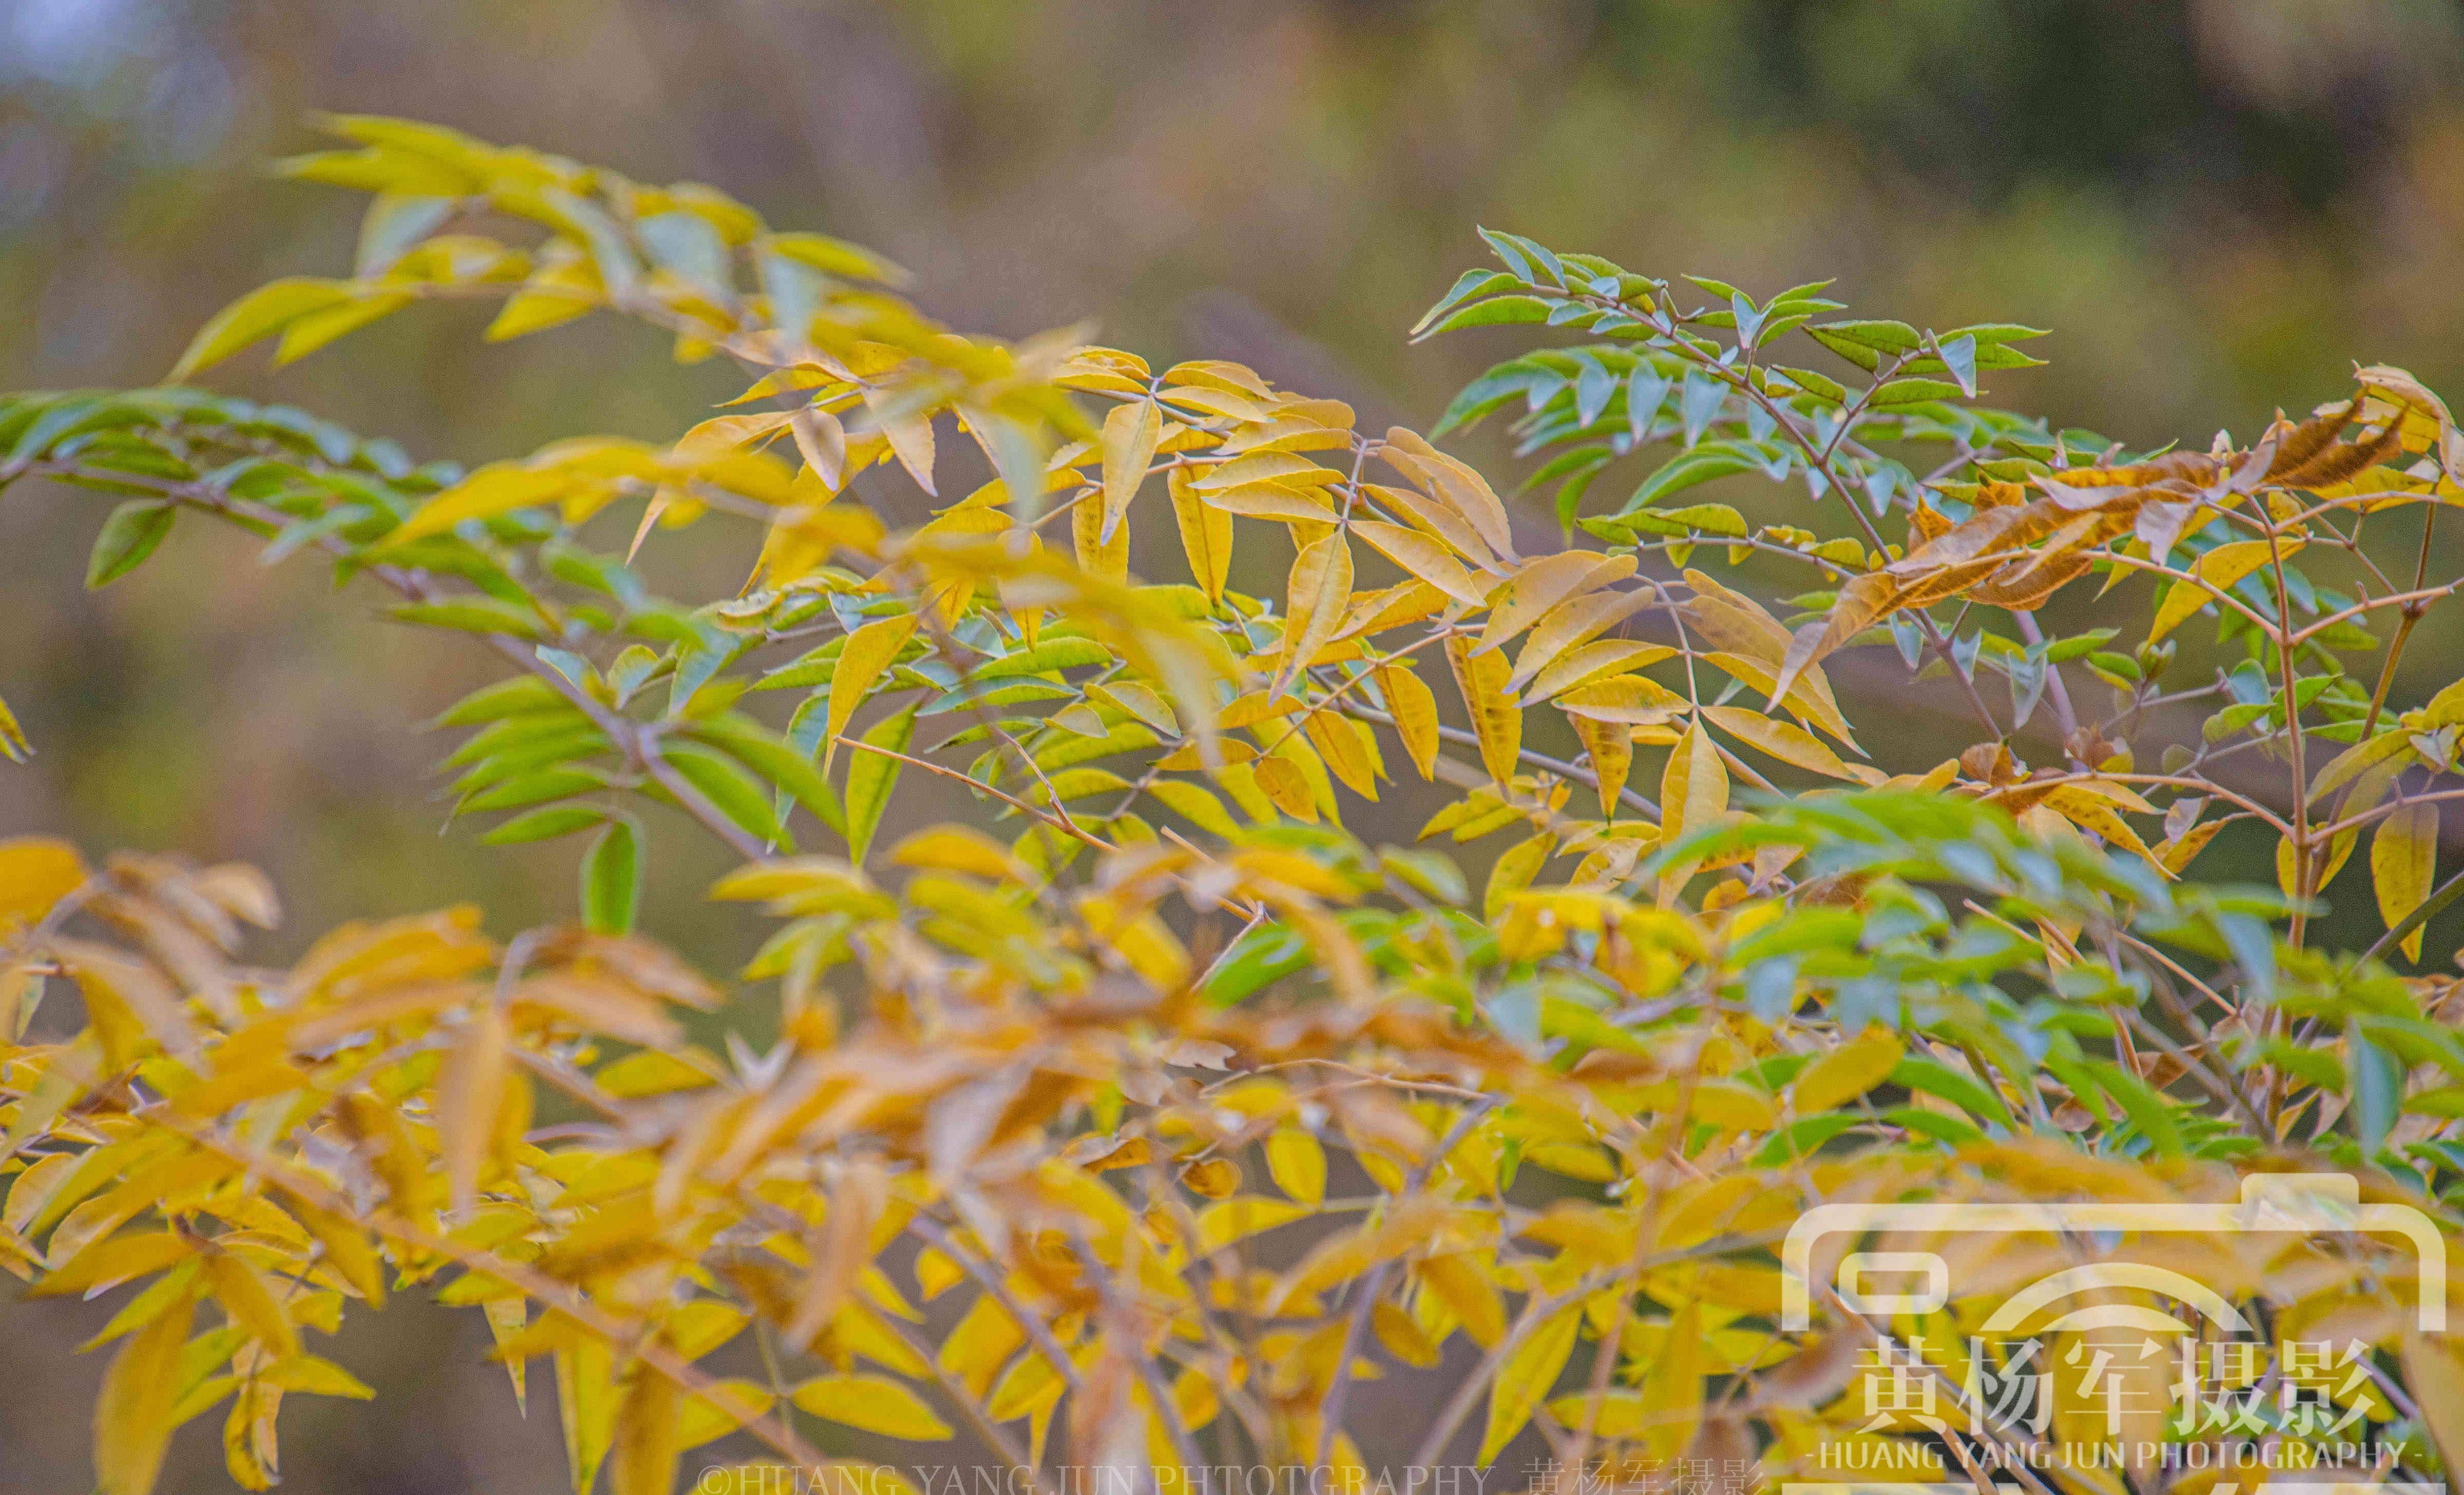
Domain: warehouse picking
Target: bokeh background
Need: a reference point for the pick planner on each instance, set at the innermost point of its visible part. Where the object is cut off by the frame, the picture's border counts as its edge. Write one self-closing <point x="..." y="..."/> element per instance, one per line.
<point x="2217" y="205"/>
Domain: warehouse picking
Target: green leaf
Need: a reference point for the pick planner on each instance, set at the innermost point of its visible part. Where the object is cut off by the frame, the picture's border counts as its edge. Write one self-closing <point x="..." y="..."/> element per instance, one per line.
<point x="473" y="615"/>
<point x="771" y="756"/>
<point x="611" y="880"/>
<point x="1703" y="464"/>
<point x="534" y="788"/>
<point x="2378" y="1089"/>
<point x="1901" y="393"/>
<point x="1940" y="1081"/>
<point x="1051" y="654"/>
<point x="546" y="823"/>
<point x="1822" y="386"/>
<point x="1803" y="1138"/>
<point x="128" y="536"/>
<point x="568" y="731"/>
<point x="734" y="793"/>
<point x="1497" y="310"/>
<point x="1866" y="343"/>
<point x="1471" y="283"/>
<point x="871" y="776"/>
<point x="1265" y="954"/>
<point x="2148" y="1110"/>
<point x="1994" y="334"/>
<point x="1702" y="518"/>
<point x="493" y="702"/>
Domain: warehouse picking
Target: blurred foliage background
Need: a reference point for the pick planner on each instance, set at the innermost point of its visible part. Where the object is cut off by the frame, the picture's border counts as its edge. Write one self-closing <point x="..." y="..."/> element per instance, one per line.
<point x="2216" y="205"/>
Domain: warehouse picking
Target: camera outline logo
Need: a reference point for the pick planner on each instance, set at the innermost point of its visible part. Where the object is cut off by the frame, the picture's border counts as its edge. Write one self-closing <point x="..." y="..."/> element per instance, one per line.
<point x="2271" y="1204"/>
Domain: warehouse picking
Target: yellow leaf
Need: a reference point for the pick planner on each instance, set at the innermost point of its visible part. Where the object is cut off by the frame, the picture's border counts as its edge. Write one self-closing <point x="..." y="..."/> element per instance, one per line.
<point x="528" y="311"/>
<point x="1424" y="556"/>
<point x="822" y="442"/>
<point x="305" y="335"/>
<point x="1205" y="534"/>
<point x="1514" y="870"/>
<point x="586" y="1404"/>
<point x="262" y="312"/>
<point x="1618" y="1413"/>
<point x="310" y="1376"/>
<point x="726" y="1406"/>
<point x="2433" y="1369"/>
<point x="1212" y="1178"/>
<point x="1284" y="468"/>
<point x="873" y="1403"/>
<point x="1574" y="622"/>
<point x="957" y="848"/>
<point x="647" y="1449"/>
<point x="2325" y="863"/>
<point x="1415" y="710"/>
<point x="2176" y="853"/>
<point x="1610" y="746"/>
<point x="1285" y="786"/>
<point x="1298" y="1164"/>
<point x="1459" y="1282"/>
<point x="1459" y="487"/>
<point x="1694" y="786"/>
<point x="1030" y="1386"/>
<point x="936" y="1272"/>
<point x="1808" y="700"/>
<point x="1437" y="519"/>
<point x="127" y="1001"/>
<point x="982" y="1341"/>
<point x="1542" y="585"/>
<point x="132" y="1413"/>
<point x="1294" y="506"/>
<point x="14" y="745"/>
<point x="1595" y="661"/>
<point x="2218" y="569"/>
<point x="1672" y="1394"/>
<point x="1848" y="1072"/>
<point x="1527" y="1378"/>
<point x="2404" y="860"/>
<point x="2444" y="709"/>
<point x="1402" y="1337"/>
<point x="1496" y="717"/>
<point x="506" y="1317"/>
<point x="911" y="437"/>
<point x="1321" y="584"/>
<point x="1784" y="740"/>
<point x="35" y="873"/>
<point x="2094" y="812"/>
<point x="1625" y="700"/>
<point x="348" y="1251"/>
<point x="1100" y="551"/>
<point x="1196" y="805"/>
<point x="866" y="653"/>
<point x="1346" y="748"/>
<point x="1130" y="433"/>
<point x="1239" y="1217"/>
<point x="251" y="1304"/>
<point x="470" y="1091"/>
<point x="498" y="488"/>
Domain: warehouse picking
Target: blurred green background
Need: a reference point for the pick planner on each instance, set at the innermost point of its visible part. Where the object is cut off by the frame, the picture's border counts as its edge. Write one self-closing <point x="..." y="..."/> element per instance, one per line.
<point x="2217" y="205"/>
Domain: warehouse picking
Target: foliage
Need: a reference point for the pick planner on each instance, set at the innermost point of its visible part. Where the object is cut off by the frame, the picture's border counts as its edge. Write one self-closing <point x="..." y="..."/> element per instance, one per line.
<point x="1155" y="1100"/>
